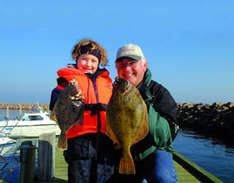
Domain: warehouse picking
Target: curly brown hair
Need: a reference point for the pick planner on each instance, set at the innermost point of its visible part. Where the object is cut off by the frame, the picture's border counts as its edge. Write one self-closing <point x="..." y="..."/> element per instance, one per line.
<point x="76" y="52"/>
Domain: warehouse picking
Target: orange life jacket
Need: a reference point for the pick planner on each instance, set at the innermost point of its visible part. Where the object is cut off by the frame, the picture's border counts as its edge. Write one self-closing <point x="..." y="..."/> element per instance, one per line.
<point x="96" y="94"/>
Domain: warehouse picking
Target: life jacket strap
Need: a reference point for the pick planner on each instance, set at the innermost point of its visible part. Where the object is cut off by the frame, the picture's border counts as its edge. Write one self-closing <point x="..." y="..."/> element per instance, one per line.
<point x="95" y="108"/>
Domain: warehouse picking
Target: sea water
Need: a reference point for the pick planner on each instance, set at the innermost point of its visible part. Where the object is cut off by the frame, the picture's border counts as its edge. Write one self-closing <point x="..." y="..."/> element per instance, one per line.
<point x="217" y="159"/>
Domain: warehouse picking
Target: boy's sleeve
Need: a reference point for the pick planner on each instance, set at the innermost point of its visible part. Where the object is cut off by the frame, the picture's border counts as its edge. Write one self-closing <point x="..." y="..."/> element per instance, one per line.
<point x="54" y="96"/>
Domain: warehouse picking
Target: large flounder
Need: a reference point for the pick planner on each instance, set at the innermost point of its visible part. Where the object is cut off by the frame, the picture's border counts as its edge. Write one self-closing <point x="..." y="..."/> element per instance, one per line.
<point x="68" y="111"/>
<point x="126" y="121"/>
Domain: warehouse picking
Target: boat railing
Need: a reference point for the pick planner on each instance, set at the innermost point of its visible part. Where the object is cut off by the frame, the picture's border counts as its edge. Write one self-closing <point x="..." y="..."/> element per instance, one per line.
<point x="7" y="164"/>
<point x="8" y="159"/>
<point x="7" y="133"/>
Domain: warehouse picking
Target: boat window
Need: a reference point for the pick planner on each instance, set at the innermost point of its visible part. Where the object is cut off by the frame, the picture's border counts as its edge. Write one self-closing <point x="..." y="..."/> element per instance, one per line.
<point x="35" y="118"/>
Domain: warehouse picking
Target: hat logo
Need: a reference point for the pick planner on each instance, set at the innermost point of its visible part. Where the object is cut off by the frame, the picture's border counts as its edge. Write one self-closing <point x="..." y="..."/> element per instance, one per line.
<point x="125" y="50"/>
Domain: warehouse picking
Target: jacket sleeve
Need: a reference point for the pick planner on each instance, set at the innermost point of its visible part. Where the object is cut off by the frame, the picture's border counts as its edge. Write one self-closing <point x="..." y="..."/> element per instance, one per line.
<point x="62" y="82"/>
<point x="165" y="105"/>
<point x="54" y="96"/>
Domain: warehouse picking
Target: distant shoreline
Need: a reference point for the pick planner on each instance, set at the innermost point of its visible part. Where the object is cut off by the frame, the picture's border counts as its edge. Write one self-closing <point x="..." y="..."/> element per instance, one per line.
<point x="23" y="106"/>
<point x="45" y="106"/>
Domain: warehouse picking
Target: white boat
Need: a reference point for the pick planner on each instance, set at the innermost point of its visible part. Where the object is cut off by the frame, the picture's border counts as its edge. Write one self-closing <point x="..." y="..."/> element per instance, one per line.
<point x="30" y="126"/>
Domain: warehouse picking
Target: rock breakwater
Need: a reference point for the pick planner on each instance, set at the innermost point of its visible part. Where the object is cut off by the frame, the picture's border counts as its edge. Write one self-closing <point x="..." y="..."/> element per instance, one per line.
<point x="216" y="120"/>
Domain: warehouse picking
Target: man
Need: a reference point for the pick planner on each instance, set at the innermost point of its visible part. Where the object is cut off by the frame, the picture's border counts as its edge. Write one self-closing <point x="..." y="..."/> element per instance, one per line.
<point x="152" y="155"/>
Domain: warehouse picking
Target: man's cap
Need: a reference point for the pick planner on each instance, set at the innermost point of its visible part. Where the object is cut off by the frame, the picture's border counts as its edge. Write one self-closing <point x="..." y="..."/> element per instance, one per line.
<point x="130" y="50"/>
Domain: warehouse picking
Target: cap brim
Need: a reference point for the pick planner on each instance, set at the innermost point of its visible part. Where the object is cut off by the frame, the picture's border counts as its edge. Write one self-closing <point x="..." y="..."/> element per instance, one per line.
<point x="134" y="57"/>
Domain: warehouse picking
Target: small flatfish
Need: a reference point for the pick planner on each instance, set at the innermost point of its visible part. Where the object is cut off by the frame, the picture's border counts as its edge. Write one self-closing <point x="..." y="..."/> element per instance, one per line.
<point x="68" y="111"/>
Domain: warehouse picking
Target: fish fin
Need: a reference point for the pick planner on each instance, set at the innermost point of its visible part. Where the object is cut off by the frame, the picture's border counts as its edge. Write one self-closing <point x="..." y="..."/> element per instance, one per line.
<point x="142" y="131"/>
<point x="126" y="165"/>
<point x="62" y="141"/>
<point x="53" y="116"/>
<point x="112" y="136"/>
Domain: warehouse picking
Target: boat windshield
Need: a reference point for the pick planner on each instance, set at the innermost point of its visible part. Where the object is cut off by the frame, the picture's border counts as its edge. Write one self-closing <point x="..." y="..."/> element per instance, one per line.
<point x="33" y="118"/>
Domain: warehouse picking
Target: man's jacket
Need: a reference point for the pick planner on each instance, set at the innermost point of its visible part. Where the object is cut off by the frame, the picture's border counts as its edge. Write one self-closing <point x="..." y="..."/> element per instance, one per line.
<point x="162" y="117"/>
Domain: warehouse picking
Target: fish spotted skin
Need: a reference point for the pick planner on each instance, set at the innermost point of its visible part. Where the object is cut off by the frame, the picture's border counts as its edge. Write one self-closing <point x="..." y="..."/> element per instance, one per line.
<point x="68" y="111"/>
<point x="126" y="121"/>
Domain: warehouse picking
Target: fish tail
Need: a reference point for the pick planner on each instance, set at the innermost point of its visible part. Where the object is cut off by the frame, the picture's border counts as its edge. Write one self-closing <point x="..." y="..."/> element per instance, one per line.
<point x="126" y="165"/>
<point x="62" y="141"/>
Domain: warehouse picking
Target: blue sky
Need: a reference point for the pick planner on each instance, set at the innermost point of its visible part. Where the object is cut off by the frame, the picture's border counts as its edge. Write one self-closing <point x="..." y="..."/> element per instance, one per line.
<point x="189" y="45"/>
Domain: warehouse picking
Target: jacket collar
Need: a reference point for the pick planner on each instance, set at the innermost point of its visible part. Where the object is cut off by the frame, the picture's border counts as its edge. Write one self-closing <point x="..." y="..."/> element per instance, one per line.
<point x="144" y="86"/>
<point x="99" y="72"/>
